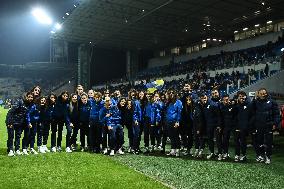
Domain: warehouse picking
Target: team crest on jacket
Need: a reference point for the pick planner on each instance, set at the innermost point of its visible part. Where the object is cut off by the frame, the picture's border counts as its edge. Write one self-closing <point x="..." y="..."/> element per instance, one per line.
<point x="268" y="102"/>
<point x="230" y="109"/>
<point x="208" y="106"/>
<point x="245" y="107"/>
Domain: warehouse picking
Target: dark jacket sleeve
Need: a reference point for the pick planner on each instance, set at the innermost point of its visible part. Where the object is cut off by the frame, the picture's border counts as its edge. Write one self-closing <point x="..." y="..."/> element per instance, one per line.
<point x="8" y="120"/>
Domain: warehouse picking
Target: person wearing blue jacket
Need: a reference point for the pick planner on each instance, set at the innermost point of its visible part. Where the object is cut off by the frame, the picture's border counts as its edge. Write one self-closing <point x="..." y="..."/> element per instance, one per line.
<point x="102" y="117"/>
<point x="243" y="117"/>
<point x="156" y="121"/>
<point x="33" y="122"/>
<point x="173" y="118"/>
<point x="84" y="119"/>
<point x="95" y="134"/>
<point x="137" y="117"/>
<point x="266" y="118"/>
<point x="16" y="122"/>
<point x="212" y="118"/>
<point x="113" y="122"/>
<point x="148" y="112"/>
<point x="61" y="116"/>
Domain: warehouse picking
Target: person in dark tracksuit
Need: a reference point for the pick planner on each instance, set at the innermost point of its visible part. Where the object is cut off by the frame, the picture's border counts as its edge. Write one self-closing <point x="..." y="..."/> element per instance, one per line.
<point x="16" y="121"/>
<point x="243" y="112"/>
<point x="47" y="119"/>
<point x="266" y="118"/>
<point x="173" y="116"/>
<point x="210" y="108"/>
<point x="199" y="126"/>
<point x="113" y="122"/>
<point x="127" y="120"/>
<point x="95" y="125"/>
<point x="186" y="128"/>
<point x="74" y="119"/>
<point x="33" y="122"/>
<point x="61" y="116"/>
<point x="228" y="115"/>
<point x="84" y="119"/>
<point x="137" y="117"/>
<point x="43" y="117"/>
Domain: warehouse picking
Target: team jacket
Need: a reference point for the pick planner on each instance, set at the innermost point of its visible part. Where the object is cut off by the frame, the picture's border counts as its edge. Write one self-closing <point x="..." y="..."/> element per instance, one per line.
<point x="17" y="115"/>
<point x="173" y="112"/>
<point x="228" y="115"/>
<point x="266" y="113"/>
<point x="211" y="113"/>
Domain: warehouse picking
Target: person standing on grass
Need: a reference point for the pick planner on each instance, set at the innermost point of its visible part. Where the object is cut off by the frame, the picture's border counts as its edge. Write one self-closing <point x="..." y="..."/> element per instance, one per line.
<point x="84" y="119"/>
<point x="186" y="128"/>
<point x="199" y="126"/>
<point x="74" y="119"/>
<point x="266" y="118"/>
<point x="173" y="117"/>
<point x="47" y="121"/>
<point x="127" y="120"/>
<point x="61" y="116"/>
<point x="104" y="112"/>
<point x="243" y="116"/>
<point x="228" y="114"/>
<point x="43" y="115"/>
<point x="33" y="124"/>
<point x="137" y="117"/>
<point x="156" y="117"/>
<point x="210" y="108"/>
<point x="113" y="122"/>
<point x="147" y="112"/>
<point x="16" y="122"/>
<point x="95" y="134"/>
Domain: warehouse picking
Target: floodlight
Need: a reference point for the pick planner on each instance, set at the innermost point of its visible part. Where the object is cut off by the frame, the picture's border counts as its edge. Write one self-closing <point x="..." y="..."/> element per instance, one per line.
<point x="41" y="16"/>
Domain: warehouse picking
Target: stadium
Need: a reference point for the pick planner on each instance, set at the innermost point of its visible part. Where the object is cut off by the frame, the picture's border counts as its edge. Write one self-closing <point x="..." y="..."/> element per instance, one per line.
<point x="142" y="94"/>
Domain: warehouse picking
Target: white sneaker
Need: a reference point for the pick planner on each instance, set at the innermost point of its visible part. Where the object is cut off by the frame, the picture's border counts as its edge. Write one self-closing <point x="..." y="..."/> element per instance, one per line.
<point x="237" y="158"/>
<point x="195" y="154"/>
<point x="243" y="158"/>
<point x="220" y="157"/>
<point x="111" y="153"/>
<point x="59" y="149"/>
<point x="200" y="153"/>
<point x="11" y="153"/>
<point x="267" y="160"/>
<point x="210" y="156"/>
<point x="45" y="148"/>
<point x="172" y="152"/>
<point x="225" y="156"/>
<point x="33" y="151"/>
<point x="177" y="152"/>
<point x="41" y="150"/>
<point x="68" y="150"/>
<point x="105" y="151"/>
<point x="120" y="152"/>
<point x="53" y="149"/>
<point x="129" y="150"/>
<point x="25" y="152"/>
<point x="260" y="159"/>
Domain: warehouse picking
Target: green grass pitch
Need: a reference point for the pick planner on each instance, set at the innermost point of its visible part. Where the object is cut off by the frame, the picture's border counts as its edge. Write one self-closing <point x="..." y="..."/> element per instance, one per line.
<point x="84" y="170"/>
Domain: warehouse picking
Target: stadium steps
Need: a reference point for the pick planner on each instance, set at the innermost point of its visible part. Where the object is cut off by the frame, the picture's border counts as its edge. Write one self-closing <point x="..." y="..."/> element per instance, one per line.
<point x="273" y="83"/>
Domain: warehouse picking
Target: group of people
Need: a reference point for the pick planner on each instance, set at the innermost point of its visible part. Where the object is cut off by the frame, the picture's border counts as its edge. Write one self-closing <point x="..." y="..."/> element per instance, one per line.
<point x="189" y="120"/>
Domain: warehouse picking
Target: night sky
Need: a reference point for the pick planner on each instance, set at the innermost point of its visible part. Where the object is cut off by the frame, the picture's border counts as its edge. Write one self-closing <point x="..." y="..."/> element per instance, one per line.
<point x="23" y="39"/>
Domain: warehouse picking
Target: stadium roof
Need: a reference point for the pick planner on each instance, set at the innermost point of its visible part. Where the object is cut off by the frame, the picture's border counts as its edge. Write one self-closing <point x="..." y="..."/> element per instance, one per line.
<point x="156" y="24"/>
